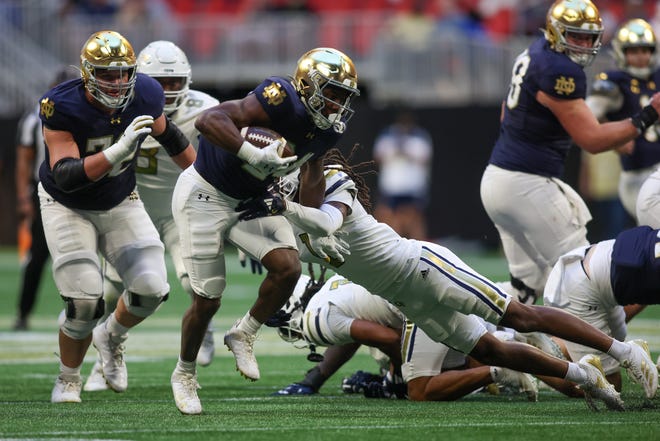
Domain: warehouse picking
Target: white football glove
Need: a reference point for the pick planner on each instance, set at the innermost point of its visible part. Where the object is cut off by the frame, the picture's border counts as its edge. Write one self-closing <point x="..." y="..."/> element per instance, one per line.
<point x="127" y="144"/>
<point x="331" y="248"/>
<point x="266" y="161"/>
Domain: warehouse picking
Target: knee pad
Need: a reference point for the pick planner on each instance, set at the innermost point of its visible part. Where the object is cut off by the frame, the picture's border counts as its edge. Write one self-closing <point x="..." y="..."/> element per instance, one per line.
<point x="79" y="273"/>
<point x="81" y="316"/>
<point x="140" y="305"/>
<point x="149" y="283"/>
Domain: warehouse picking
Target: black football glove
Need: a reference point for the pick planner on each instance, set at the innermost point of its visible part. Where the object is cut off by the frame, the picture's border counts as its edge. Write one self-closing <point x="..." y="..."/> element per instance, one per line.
<point x="271" y="204"/>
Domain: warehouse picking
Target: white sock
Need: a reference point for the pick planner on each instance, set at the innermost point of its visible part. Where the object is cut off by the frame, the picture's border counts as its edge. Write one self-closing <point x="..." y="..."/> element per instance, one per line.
<point x="249" y="324"/>
<point x="185" y="366"/>
<point x="619" y="350"/>
<point x="115" y="328"/>
<point x="69" y="371"/>
<point x="575" y="373"/>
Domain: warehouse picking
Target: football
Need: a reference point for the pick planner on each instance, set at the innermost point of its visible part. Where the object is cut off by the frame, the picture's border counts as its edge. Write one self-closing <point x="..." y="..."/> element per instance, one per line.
<point x="263" y="136"/>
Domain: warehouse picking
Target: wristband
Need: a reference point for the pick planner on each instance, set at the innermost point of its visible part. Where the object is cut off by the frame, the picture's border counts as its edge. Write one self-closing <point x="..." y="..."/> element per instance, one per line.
<point x="644" y="119"/>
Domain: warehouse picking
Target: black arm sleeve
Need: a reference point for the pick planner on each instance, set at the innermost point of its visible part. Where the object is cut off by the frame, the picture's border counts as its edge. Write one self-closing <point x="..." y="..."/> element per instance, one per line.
<point x="172" y="138"/>
<point x="69" y="174"/>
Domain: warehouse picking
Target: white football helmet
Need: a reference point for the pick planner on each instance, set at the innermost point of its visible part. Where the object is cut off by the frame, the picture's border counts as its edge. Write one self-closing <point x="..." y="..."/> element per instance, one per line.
<point x="164" y="59"/>
<point x="291" y="330"/>
<point x="106" y="56"/>
<point x="574" y="17"/>
<point x="634" y="33"/>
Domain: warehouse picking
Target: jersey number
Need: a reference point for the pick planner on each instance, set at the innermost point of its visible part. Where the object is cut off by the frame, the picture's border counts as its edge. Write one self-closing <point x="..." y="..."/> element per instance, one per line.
<point x="147" y="163"/>
<point x="95" y="145"/>
<point x="517" y="76"/>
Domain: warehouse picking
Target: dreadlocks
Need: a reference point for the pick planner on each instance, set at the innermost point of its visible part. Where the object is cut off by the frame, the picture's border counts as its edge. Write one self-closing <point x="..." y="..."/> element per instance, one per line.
<point x="356" y="172"/>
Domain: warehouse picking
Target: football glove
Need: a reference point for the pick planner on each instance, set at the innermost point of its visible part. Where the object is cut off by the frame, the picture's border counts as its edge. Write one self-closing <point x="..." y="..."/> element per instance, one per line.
<point x="266" y="161"/>
<point x="329" y="248"/>
<point x="127" y="144"/>
<point x="261" y="206"/>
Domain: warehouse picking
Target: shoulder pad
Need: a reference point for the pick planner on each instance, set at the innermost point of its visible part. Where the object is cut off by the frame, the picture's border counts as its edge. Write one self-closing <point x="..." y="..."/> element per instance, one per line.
<point x="337" y="181"/>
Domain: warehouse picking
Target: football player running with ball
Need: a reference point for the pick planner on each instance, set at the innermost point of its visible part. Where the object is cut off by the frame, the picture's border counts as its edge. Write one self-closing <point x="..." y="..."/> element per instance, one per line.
<point x="310" y="110"/>
<point x="93" y="128"/>
<point x="538" y="216"/>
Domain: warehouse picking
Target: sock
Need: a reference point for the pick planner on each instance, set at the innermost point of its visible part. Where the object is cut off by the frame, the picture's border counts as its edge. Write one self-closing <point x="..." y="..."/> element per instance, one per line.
<point x="249" y="324"/>
<point x="619" y="350"/>
<point x="185" y="366"/>
<point x="575" y="373"/>
<point x="115" y="328"/>
<point x="67" y="371"/>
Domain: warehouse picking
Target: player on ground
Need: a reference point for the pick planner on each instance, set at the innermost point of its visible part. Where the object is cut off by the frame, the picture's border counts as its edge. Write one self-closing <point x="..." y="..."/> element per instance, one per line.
<point x="596" y="282"/>
<point x="619" y="94"/>
<point x="92" y="128"/>
<point x="157" y="174"/>
<point x="538" y="216"/>
<point x="442" y="295"/>
<point x="311" y="111"/>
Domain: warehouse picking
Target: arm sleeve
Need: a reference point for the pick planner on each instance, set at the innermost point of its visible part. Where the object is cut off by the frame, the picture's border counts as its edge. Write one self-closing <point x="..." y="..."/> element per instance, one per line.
<point x="317" y="222"/>
<point x="617" y="321"/>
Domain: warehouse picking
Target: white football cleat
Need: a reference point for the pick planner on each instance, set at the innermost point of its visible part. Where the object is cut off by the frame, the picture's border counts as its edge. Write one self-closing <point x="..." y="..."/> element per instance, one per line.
<point x="96" y="381"/>
<point x="242" y="345"/>
<point x="184" y="387"/>
<point x="207" y="350"/>
<point x="67" y="389"/>
<point x="640" y="367"/>
<point x="517" y="381"/>
<point x="111" y="352"/>
<point x="597" y="385"/>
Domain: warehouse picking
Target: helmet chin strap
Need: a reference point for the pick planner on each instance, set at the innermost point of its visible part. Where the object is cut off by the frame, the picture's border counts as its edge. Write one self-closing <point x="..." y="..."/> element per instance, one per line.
<point x="639" y="72"/>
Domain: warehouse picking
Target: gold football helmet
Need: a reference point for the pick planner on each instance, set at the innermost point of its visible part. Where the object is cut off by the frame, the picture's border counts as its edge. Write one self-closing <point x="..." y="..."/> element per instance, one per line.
<point x="326" y="80"/>
<point x="634" y="33"/>
<point x="108" y="67"/>
<point x="164" y="59"/>
<point x="579" y="19"/>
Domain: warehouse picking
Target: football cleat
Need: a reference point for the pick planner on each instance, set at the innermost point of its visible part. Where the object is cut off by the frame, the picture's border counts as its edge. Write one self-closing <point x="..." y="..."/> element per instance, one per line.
<point x="640" y="368"/>
<point x="242" y="345"/>
<point x="596" y="386"/>
<point x="295" y="389"/>
<point x="518" y="382"/>
<point x="67" y="389"/>
<point x="207" y="350"/>
<point x="111" y="352"/>
<point x="96" y="381"/>
<point x="184" y="388"/>
<point x="543" y="342"/>
<point x="357" y="382"/>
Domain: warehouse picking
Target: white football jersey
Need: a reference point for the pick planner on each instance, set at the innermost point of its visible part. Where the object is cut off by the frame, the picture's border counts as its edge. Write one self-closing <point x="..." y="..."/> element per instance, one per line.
<point x="156" y="172"/>
<point x="379" y="258"/>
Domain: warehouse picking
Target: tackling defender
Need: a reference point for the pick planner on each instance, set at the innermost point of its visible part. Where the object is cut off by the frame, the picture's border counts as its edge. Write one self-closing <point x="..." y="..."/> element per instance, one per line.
<point x="157" y="174"/>
<point x="442" y="295"/>
<point x="93" y="127"/>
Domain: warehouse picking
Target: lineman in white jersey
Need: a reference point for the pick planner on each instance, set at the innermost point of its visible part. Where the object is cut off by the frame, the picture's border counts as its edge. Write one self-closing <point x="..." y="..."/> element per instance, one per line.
<point x="157" y="174"/>
<point x="442" y="295"/>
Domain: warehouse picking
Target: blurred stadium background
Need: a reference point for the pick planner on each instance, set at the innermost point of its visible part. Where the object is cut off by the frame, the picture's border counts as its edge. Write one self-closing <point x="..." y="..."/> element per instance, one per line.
<point x="448" y="60"/>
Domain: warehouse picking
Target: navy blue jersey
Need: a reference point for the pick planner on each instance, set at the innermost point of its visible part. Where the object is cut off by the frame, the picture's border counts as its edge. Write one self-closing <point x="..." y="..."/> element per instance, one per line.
<point x="289" y="118"/>
<point x="635" y="267"/>
<point x="66" y="108"/>
<point x="531" y="139"/>
<point x="636" y="93"/>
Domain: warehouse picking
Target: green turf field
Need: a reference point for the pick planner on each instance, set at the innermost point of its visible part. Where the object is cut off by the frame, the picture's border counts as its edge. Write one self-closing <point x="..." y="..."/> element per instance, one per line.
<point x="235" y="409"/>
